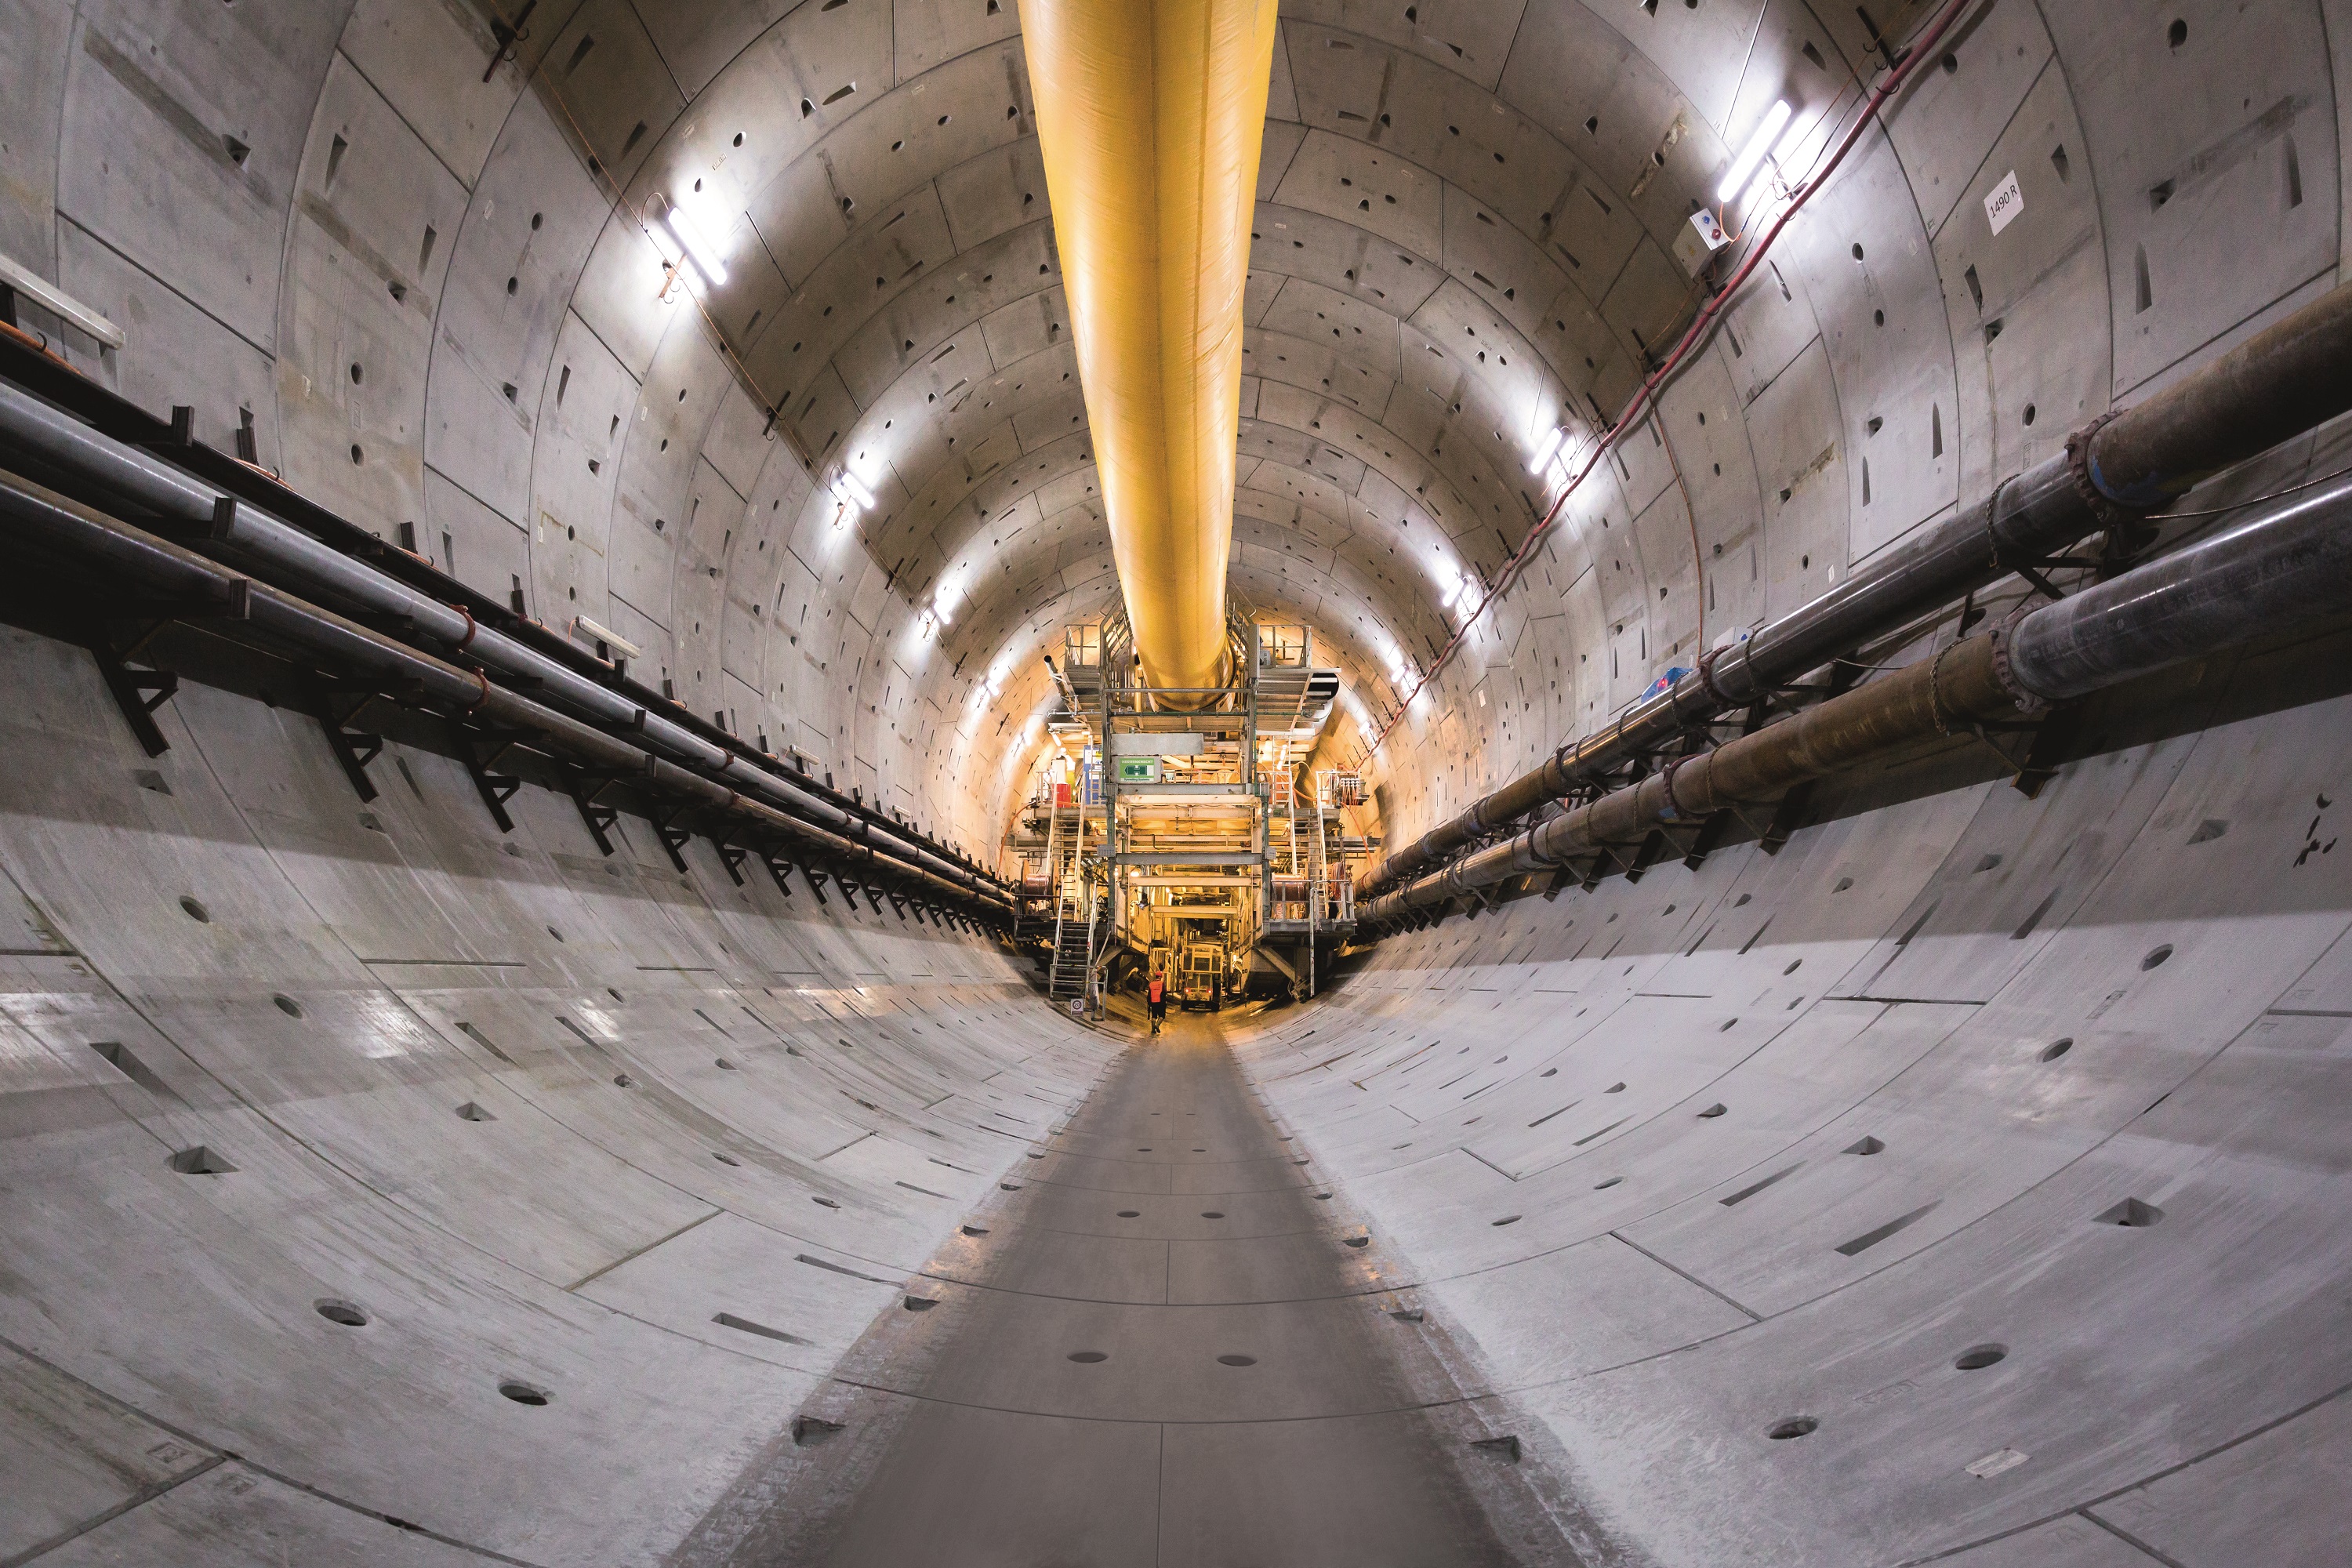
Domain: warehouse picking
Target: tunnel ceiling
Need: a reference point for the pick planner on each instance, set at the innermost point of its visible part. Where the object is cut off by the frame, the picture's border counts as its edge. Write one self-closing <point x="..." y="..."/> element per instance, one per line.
<point x="439" y="299"/>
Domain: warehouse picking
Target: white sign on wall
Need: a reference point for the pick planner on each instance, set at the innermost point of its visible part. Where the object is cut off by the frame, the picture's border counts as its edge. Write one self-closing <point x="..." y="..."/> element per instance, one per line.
<point x="2006" y="202"/>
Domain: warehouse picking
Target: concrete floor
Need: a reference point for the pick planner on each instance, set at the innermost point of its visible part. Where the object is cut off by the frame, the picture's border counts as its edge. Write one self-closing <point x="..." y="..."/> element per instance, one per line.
<point x="1166" y="1341"/>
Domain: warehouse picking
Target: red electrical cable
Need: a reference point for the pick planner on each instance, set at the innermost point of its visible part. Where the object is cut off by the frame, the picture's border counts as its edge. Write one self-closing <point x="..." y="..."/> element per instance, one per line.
<point x="1699" y="328"/>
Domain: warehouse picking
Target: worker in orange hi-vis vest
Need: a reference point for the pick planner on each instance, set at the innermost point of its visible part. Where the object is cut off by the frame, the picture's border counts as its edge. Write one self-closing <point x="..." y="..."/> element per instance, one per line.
<point x="1156" y="992"/>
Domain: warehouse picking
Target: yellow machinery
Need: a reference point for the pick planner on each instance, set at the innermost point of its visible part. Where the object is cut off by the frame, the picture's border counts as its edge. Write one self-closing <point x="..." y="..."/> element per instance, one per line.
<point x="1151" y="114"/>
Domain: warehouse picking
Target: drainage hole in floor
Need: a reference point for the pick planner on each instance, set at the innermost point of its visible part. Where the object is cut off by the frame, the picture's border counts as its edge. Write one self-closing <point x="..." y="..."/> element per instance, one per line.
<point x="523" y="1392"/>
<point x="2056" y="1048"/>
<point x="343" y="1312"/>
<point x="1088" y="1358"/>
<point x="1237" y="1361"/>
<point x="1794" y="1426"/>
<point x="1978" y="1357"/>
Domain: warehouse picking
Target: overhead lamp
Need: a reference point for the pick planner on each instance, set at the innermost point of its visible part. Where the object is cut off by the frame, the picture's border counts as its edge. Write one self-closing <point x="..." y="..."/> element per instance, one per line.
<point x="697" y="245"/>
<point x="1752" y="157"/>
<point x="1544" y="450"/>
<point x="858" y="494"/>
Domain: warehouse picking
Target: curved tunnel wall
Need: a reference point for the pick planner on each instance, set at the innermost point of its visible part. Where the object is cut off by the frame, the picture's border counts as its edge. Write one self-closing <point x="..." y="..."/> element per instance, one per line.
<point x="429" y="294"/>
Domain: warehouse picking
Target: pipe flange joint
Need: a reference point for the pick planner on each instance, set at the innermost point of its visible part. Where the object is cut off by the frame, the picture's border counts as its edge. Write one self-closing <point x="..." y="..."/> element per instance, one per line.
<point x="2102" y="506"/>
<point x="2004" y="668"/>
<point x="1673" y="810"/>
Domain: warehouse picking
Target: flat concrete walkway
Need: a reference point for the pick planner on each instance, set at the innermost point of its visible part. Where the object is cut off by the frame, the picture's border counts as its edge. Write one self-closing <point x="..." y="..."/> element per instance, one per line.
<point x="1167" y="1355"/>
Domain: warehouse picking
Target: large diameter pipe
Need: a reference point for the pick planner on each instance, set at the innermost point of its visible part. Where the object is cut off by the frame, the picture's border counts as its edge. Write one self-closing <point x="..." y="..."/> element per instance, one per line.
<point x="68" y="445"/>
<point x="1151" y="114"/>
<point x="2288" y="568"/>
<point x="2281" y="381"/>
<point x="168" y="572"/>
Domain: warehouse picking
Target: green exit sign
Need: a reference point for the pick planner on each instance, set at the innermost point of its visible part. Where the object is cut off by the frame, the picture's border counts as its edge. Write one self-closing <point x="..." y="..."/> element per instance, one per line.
<point x="1139" y="770"/>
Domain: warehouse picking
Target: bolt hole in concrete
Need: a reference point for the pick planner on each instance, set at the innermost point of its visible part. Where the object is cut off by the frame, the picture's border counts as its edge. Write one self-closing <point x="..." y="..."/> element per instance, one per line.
<point x="1792" y="966"/>
<point x="523" y="1392"/>
<point x="196" y="911"/>
<point x="724" y="1063"/>
<point x="469" y="1111"/>
<point x="824" y="1202"/>
<point x="1212" y="1213"/>
<point x="975" y="1230"/>
<point x="200" y="1161"/>
<point x="1130" y="1214"/>
<point x="343" y="1312"/>
<point x="2056" y="1048"/>
<point x="2156" y="956"/>
<point x="1794" y="1426"/>
<point x="726" y="1159"/>
<point x="1978" y="1357"/>
<point x="920" y="1303"/>
<point x="1506" y="1219"/>
<point x="621" y="1080"/>
<point x="1606" y="1182"/>
<point x="288" y="1005"/>
<point x="1322" y="1197"/>
<point x="1717" y="1108"/>
<point x="1089" y="1358"/>
<point x="555" y="933"/>
<point x="2132" y="1214"/>
<point x="1867" y="1146"/>
<point x="1359" y="1241"/>
<point x="808" y="1431"/>
<point x="1237" y="1361"/>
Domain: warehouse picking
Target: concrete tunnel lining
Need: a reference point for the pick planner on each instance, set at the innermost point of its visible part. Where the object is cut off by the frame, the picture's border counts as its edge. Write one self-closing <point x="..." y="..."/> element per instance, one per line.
<point x="422" y="290"/>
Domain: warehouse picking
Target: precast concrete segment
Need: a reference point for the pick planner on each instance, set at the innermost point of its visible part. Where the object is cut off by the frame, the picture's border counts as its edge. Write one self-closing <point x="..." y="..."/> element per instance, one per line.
<point x="1164" y="1341"/>
<point x="1920" y="1130"/>
<point x="1151" y="115"/>
<point x="331" y="1139"/>
<point x="2288" y="379"/>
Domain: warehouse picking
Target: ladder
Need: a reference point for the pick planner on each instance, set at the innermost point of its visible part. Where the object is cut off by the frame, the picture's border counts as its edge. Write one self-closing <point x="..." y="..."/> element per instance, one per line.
<point x="1073" y="928"/>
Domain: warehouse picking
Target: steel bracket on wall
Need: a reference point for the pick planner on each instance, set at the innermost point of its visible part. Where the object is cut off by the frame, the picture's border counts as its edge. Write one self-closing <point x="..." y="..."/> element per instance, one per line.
<point x="816" y="879"/>
<point x="1705" y="842"/>
<point x="1787" y="817"/>
<point x="731" y="856"/>
<point x="598" y="819"/>
<point x="138" y="692"/>
<point x="495" y="788"/>
<point x="780" y="868"/>
<point x="673" y="837"/>
<point x="353" y="748"/>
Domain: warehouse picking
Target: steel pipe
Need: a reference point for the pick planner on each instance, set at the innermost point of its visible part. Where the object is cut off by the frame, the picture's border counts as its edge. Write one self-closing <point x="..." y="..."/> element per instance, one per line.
<point x="2290" y="566"/>
<point x="2279" y="384"/>
<point x="132" y="556"/>
<point x="154" y="486"/>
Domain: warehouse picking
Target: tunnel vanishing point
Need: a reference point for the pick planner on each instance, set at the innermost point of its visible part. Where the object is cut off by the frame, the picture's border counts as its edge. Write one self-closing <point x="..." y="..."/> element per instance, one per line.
<point x="1175" y="784"/>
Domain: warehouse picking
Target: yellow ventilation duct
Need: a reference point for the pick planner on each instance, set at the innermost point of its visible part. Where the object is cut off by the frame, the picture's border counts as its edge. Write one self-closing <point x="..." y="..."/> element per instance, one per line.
<point x="1150" y="113"/>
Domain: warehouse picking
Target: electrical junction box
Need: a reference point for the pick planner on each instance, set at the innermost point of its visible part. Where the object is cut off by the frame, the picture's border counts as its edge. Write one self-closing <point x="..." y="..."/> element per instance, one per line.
<point x="1139" y="770"/>
<point x="1696" y="243"/>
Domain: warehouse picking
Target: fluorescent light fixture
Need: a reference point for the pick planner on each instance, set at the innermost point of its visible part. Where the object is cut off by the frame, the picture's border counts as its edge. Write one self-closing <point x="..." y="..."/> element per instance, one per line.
<point x="697" y="245"/>
<point x="1551" y="444"/>
<point x="858" y="494"/>
<point x="1752" y="157"/>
